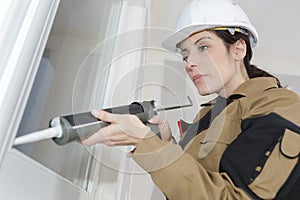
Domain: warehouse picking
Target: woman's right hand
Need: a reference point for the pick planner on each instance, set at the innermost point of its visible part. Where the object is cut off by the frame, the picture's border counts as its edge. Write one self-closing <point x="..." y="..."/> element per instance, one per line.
<point x="163" y="126"/>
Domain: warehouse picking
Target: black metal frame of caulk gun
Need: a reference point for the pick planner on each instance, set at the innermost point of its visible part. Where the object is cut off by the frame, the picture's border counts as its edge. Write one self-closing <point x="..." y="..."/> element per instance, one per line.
<point x="76" y="127"/>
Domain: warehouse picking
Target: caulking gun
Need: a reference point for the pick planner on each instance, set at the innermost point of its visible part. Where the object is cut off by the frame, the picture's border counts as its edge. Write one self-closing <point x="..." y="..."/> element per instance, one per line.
<point x="76" y="127"/>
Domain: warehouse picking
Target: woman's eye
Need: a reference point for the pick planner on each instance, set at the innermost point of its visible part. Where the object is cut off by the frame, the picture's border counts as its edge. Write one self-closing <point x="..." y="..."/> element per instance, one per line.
<point x="185" y="58"/>
<point x="202" y="48"/>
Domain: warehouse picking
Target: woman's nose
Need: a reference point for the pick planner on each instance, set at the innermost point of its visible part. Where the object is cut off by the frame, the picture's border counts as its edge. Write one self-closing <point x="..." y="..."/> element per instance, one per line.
<point x="190" y="64"/>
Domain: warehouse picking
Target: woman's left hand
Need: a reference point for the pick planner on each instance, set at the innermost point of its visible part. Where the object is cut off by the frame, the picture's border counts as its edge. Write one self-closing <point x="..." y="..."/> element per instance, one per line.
<point x="163" y="126"/>
<point x="123" y="130"/>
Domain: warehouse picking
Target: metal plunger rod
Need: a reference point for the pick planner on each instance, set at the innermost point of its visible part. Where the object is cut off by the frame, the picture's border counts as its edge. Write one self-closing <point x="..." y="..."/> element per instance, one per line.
<point x="176" y="107"/>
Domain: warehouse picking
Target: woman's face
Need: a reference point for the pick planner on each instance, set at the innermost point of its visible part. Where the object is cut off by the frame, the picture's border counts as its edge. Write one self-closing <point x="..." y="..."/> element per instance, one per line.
<point x="209" y="64"/>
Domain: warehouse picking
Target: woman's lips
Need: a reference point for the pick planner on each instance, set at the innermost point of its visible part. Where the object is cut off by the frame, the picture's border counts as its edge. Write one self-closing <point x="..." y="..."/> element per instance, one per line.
<point x="197" y="78"/>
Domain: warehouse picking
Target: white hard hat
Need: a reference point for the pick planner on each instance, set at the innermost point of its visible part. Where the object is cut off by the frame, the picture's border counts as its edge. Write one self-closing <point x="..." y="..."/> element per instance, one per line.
<point x="200" y="15"/>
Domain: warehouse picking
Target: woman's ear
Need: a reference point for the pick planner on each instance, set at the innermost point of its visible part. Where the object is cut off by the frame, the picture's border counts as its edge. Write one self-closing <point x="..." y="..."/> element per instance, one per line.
<point x="239" y="49"/>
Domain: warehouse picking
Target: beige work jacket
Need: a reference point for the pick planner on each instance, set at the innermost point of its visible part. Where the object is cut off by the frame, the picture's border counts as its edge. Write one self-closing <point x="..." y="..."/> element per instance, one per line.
<point x="233" y="158"/>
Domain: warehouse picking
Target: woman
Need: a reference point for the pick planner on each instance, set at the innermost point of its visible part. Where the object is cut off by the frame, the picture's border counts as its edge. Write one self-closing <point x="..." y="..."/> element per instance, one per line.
<point x="242" y="145"/>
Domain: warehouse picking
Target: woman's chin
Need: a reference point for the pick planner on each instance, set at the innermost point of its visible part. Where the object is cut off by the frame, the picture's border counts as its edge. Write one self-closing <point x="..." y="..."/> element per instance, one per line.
<point x="204" y="92"/>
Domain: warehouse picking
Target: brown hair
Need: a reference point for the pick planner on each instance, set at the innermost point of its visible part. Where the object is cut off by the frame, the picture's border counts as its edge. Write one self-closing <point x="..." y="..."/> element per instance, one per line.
<point x="252" y="70"/>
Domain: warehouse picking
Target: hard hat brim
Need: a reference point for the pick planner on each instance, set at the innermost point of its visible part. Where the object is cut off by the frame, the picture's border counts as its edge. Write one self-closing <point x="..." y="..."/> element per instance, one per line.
<point x="171" y="42"/>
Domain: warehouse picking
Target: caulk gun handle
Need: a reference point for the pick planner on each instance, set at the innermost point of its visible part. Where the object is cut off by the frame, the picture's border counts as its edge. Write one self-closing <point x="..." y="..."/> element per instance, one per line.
<point x="144" y="117"/>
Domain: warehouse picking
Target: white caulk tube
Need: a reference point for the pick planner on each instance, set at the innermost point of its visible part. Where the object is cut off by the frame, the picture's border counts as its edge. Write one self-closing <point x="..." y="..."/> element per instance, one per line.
<point x="54" y="132"/>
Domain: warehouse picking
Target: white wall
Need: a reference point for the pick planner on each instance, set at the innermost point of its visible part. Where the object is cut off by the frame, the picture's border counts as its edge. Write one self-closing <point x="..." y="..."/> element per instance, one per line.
<point x="279" y="44"/>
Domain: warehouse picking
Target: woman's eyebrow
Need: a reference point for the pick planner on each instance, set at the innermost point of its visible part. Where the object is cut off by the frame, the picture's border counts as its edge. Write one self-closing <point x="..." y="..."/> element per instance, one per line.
<point x="196" y="42"/>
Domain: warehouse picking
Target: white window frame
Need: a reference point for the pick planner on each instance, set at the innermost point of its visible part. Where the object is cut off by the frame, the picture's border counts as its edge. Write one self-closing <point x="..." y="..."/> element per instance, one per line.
<point x="20" y="60"/>
<point x="29" y="36"/>
<point x="25" y="27"/>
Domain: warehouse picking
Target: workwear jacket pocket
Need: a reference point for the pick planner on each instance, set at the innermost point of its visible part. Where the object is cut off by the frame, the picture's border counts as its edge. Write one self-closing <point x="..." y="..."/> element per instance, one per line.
<point x="278" y="167"/>
<point x="263" y="159"/>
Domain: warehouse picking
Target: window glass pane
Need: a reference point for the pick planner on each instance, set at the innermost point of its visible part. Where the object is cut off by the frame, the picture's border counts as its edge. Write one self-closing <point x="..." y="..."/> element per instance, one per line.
<point x="66" y="79"/>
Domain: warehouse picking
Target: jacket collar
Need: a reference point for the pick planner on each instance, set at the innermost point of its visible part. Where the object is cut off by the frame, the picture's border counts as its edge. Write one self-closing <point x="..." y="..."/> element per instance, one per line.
<point x="256" y="85"/>
<point x="248" y="88"/>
